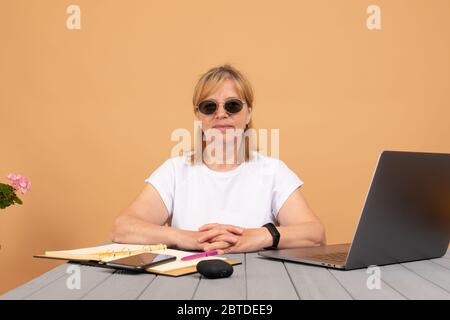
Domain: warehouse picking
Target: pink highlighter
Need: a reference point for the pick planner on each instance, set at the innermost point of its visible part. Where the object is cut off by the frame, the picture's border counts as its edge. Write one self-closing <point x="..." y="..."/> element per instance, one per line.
<point x="200" y="255"/>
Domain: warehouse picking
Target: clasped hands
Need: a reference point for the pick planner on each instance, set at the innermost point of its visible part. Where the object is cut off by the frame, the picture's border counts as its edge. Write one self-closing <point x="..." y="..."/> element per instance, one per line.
<point x="229" y="239"/>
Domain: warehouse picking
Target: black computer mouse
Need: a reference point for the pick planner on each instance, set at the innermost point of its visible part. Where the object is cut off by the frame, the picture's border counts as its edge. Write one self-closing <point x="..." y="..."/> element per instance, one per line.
<point x="214" y="269"/>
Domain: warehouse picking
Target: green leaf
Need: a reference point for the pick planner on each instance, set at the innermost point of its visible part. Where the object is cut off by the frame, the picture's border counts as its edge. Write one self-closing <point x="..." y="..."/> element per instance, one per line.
<point x="6" y="188"/>
<point x="17" y="200"/>
<point x="8" y="196"/>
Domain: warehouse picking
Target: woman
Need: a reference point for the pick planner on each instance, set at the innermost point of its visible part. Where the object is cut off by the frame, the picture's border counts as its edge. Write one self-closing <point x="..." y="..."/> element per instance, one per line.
<point x="223" y="202"/>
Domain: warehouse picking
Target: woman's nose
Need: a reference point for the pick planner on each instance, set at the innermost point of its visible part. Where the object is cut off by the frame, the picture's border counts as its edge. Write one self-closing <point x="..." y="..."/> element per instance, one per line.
<point x="221" y="112"/>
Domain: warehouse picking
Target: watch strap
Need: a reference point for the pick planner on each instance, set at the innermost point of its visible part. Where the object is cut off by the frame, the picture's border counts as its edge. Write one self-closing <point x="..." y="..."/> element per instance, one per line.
<point x="275" y="235"/>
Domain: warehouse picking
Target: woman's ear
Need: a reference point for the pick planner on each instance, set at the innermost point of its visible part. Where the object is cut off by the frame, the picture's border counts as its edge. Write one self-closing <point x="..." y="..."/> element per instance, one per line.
<point x="249" y="116"/>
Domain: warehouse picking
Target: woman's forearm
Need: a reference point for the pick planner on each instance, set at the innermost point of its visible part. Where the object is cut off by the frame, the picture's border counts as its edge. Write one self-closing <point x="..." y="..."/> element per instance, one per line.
<point x="129" y="229"/>
<point x="307" y="234"/>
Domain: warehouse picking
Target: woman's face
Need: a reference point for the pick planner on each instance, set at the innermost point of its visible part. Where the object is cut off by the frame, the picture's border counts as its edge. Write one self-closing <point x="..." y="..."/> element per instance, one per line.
<point x="220" y="119"/>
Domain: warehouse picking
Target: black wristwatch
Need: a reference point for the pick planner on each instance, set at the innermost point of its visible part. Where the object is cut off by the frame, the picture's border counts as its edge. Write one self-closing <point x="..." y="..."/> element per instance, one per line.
<point x="275" y="235"/>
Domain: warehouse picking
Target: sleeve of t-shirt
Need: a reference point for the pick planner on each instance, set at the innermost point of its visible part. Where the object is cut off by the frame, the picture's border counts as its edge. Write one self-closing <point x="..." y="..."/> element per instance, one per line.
<point x="163" y="180"/>
<point x="285" y="182"/>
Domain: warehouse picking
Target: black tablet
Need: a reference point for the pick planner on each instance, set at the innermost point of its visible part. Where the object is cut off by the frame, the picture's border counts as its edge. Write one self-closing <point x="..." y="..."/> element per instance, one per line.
<point x="141" y="261"/>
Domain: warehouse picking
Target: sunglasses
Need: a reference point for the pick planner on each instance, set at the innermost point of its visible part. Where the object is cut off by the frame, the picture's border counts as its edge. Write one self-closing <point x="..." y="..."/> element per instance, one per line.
<point x="231" y="106"/>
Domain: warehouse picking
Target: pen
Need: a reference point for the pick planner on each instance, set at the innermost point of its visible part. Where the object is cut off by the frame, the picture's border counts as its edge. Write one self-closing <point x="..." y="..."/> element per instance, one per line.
<point x="200" y="255"/>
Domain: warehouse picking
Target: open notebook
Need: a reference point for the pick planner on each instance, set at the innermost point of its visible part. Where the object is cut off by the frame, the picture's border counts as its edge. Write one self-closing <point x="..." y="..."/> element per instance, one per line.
<point x="101" y="254"/>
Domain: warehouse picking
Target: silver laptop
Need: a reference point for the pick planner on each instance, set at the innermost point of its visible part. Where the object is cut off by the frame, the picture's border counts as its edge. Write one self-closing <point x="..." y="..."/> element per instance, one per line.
<point x="406" y="216"/>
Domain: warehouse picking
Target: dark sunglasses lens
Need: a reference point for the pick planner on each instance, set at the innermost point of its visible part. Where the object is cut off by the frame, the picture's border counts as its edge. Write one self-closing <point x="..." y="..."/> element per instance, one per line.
<point x="207" y="107"/>
<point x="233" y="106"/>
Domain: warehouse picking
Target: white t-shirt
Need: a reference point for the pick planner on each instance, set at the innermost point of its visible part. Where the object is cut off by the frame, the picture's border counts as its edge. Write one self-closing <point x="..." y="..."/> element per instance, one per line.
<point x="248" y="196"/>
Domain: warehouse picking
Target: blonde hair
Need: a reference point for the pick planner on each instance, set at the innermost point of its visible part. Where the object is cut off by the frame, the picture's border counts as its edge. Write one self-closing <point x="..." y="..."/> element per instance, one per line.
<point x="210" y="82"/>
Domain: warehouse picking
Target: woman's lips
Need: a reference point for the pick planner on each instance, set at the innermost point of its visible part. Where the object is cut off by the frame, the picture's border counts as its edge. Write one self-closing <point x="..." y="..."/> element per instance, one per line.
<point x="223" y="128"/>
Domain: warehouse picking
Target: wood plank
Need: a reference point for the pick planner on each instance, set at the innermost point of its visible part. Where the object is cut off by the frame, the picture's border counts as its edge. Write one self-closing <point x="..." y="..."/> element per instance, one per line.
<point x="443" y="262"/>
<point x="432" y="272"/>
<point x="355" y="282"/>
<point x="410" y="285"/>
<point x="35" y="284"/>
<point x="90" y="278"/>
<point x="230" y="288"/>
<point x="122" y="285"/>
<point x="315" y="283"/>
<point x="171" y="288"/>
<point x="267" y="279"/>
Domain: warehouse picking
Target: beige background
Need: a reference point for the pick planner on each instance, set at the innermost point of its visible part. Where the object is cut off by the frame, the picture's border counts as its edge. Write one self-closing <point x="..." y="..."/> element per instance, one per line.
<point x="87" y="114"/>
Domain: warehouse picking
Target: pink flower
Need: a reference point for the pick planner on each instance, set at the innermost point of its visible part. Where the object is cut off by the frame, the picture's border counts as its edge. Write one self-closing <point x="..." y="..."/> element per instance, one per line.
<point x="19" y="182"/>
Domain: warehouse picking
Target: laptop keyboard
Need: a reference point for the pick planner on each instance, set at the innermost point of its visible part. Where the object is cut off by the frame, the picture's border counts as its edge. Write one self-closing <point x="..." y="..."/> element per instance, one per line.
<point x="331" y="257"/>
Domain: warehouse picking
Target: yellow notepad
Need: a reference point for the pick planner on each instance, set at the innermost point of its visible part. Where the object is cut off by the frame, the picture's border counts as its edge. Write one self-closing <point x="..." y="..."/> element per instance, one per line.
<point x="110" y="252"/>
<point x="104" y="253"/>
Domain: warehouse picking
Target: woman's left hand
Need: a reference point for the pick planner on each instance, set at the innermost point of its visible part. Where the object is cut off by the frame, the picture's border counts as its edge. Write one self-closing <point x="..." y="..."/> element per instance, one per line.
<point x="254" y="239"/>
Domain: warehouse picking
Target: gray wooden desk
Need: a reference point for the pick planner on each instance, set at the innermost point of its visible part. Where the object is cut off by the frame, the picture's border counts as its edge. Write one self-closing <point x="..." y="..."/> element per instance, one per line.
<point x="255" y="278"/>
